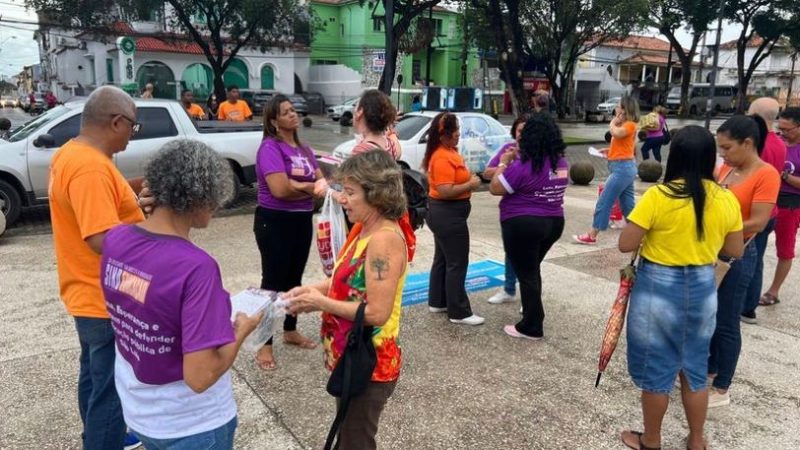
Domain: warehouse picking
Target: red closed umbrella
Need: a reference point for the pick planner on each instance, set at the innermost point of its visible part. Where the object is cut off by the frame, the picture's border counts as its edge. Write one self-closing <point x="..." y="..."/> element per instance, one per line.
<point x="616" y="319"/>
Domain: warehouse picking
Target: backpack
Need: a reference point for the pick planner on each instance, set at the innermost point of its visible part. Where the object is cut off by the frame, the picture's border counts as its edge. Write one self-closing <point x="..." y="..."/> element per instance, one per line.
<point x="650" y="122"/>
<point x="415" y="186"/>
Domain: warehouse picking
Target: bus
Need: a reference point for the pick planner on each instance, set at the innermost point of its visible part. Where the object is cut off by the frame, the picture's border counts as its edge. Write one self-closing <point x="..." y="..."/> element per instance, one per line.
<point x="722" y="100"/>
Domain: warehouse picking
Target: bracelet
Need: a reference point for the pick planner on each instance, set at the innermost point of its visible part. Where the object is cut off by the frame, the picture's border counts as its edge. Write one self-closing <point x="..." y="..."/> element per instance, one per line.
<point x="785" y="176"/>
<point x="503" y="165"/>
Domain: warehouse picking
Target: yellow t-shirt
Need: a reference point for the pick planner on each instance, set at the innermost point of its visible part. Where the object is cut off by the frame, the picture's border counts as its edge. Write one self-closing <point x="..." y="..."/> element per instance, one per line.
<point x="671" y="237"/>
<point x="238" y="112"/>
<point x="88" y="196"/>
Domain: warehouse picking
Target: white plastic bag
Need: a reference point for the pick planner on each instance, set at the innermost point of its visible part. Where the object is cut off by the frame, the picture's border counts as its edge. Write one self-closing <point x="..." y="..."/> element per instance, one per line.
<point x="253" y="301"/>
<point x="331" y="232"/>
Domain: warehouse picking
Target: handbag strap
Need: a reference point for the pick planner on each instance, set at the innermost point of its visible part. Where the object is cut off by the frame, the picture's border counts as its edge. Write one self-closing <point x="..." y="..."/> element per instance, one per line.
<point x="355" y="333"/>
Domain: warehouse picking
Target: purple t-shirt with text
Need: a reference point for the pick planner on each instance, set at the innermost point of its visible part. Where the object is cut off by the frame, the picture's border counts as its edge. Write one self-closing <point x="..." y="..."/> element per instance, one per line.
<point x="298" y="163"/>
<point x="165" y="299"/>
<point x="793" y="166"/>
<point x="530" y="193"/>
<point x="496" y="158"/>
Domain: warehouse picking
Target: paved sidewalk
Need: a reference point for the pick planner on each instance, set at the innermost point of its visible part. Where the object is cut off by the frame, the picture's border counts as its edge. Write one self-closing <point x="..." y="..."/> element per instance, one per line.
<point x="461" y="388"/>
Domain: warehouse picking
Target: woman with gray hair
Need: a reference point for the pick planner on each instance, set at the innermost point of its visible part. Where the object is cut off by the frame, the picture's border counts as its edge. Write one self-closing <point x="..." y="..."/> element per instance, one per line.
<point x="371" y="269"/>
<point x="170" y="313"/>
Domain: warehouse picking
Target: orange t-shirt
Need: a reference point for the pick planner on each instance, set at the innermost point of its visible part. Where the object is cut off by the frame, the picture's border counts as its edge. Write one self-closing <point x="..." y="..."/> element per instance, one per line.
<point x="447" y="167"/>
<point x="196" y="112"/>
<point x="88" y="196"/>
<point x="623" y="148"/>
<point x="761" y="187"/>
<point x="238" y="112"/>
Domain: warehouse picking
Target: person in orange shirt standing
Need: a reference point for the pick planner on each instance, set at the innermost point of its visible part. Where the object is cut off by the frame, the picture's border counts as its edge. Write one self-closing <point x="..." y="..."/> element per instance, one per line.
<point x="233" y="109"/>
<point x="621" y="167"/>
<point x="451" y="186"/>
<point x="194" y="110"/>
<point x="89" y="196"/>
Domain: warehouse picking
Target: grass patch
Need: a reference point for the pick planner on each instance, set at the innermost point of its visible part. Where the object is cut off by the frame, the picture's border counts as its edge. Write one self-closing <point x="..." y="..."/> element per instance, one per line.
<point x="571" y="140"/>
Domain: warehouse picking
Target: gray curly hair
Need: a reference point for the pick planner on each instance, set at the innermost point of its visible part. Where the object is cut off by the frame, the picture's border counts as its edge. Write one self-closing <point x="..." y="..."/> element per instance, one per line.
<point x="187" y="175"/>
<point x="380" y="177"/>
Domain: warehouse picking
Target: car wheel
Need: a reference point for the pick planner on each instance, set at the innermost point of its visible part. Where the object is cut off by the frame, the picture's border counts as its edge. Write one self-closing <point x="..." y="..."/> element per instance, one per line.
<point x="236" y="184"/>
<point x="10" y="202"/>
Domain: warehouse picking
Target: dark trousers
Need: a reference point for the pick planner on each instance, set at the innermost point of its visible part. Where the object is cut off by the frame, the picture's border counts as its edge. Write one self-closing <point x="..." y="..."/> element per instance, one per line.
<point x="527" y="239"/>
<point x="754" y="290"/>
<point x="284" y="241"/>
<point x="100" y="409"/>
<point x="447" y="220"/>
<point x="654" y="144"/>
<point x="360" y="425"/>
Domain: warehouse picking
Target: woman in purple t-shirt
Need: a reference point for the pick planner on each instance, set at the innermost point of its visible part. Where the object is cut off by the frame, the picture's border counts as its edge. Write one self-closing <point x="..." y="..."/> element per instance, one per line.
<point x="532" y="182"/>
<point x="287" y="172"/>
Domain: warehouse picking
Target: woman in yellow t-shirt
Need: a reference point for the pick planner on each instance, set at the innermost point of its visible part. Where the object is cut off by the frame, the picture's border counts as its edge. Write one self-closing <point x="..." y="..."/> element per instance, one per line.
<point x="682" y="225"/>
<point x="621" y="168"/>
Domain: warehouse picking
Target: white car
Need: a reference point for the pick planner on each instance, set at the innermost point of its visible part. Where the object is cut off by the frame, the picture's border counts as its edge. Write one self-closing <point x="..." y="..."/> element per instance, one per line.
<point x="481" y="137"/>
<point x="344" y="110"/>
<point x="609" y="105"/>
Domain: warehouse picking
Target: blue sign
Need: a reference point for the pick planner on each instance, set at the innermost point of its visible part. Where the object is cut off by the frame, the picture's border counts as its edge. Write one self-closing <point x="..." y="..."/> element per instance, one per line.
<point x="481" y="275"/>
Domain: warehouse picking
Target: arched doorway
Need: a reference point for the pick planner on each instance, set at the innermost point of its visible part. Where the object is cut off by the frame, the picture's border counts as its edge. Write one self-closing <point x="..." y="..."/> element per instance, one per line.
<point x="236" y="74"/>
<point x="267" y="77"/>
<point x="200" y="79"/>
<point x="298" y="85"/>
<point x="160" y="75"/>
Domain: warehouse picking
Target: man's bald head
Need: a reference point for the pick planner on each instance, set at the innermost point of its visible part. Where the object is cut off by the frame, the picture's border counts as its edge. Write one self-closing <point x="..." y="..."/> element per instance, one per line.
<point x="105" y="103"/>
<point x="765" y="107"/>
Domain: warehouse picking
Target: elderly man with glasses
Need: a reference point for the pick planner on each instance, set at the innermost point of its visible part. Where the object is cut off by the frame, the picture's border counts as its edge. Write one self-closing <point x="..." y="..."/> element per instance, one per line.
<point x="89" y="196"/>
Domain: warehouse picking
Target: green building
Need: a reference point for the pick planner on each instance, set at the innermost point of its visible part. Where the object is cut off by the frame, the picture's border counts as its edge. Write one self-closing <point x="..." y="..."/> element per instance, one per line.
<point x="353" y="36"/>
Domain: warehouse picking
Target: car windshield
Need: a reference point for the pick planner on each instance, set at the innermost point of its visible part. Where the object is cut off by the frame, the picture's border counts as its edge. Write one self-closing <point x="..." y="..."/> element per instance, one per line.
<point x="409" y="126"/>
<point x="26" y="130"/>
<point x="614" y="100"/>
<point x="674" y="92"/>
<point x="352" y="101"/>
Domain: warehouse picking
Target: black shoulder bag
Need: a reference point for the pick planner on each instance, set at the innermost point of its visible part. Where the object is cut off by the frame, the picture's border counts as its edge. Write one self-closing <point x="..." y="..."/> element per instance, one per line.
<point x="352" y="373"/>
<point x="667" y="136"/>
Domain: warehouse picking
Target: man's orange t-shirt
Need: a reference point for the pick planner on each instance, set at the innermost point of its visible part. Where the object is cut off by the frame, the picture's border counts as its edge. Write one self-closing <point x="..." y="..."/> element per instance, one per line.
<point x="761" y="187"/>
<point x="196" y="112"/>
<point x="446" y="166"/>
<point x="238" y="112"/>
<point x="88" y="195"/>
<point x="623" y="148"/>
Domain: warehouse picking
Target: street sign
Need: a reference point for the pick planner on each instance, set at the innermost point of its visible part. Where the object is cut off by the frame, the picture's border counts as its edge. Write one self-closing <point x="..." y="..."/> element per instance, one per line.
<point x="125" y="61"/>
<point x="378" y="61"/>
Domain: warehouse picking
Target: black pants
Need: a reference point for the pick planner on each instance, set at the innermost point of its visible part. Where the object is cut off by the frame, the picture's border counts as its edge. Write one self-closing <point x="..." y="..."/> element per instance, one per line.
<point x="284" y="241"/>
<point x="527" y="239"/>
<point x="654" y="144"/>
<point x="448" y="222"/>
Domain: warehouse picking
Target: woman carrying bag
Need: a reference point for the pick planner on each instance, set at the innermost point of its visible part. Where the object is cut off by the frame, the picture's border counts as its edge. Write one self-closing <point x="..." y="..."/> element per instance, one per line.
<point x="681" y="226"/>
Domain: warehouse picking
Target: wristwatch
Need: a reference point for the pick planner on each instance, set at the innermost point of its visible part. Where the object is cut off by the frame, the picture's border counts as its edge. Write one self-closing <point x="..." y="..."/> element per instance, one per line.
<point x="785" y="176"/>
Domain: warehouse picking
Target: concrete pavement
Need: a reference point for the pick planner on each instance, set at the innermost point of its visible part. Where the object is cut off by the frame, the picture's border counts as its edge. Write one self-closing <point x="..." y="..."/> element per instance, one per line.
<point x="461" y="387"/>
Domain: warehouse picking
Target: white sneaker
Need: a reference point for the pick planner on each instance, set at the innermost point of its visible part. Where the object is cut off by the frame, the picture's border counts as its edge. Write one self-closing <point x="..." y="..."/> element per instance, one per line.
<point x="471" y="320"/>
<point x="433" y="309"/>
<point x="500" y="297"/>
<point x="716" y="398"/>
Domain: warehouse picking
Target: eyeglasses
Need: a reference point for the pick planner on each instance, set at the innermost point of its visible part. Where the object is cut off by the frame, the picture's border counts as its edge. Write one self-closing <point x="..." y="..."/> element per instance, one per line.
<point x="135" y="126"/>
<point x="786" y="130"/>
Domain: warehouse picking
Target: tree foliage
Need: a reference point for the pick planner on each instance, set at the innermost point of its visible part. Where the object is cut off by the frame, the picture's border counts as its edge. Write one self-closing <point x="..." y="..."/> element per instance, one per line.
<point x="228" y="25"/>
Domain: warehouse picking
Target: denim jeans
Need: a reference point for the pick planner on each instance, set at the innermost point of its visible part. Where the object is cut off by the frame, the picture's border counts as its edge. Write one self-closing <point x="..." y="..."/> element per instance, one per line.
<point x="510" y="283"/>
<point x="654" y="144"/>
<point x="217" y="439"/>
<point x="754" y="290"/>
<point x="727" y="340"/>
<point x="101" y="412"/>
<point x="619" y="185"/>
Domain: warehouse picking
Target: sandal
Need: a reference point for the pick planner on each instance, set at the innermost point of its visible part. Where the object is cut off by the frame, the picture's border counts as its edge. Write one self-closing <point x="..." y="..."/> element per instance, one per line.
<point x="768" y="300"/>
<point x="638" y="434"/>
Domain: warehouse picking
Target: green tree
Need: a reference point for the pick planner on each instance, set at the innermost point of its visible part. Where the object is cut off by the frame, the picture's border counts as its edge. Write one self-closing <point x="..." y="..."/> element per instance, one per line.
<point x="694" y="16"/>
<point x="764" y="24"/>
<point x="224" y="28"/>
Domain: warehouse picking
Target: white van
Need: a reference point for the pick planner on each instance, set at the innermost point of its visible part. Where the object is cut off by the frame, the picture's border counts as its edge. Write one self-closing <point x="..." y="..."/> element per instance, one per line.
<point x="722" y="100"/>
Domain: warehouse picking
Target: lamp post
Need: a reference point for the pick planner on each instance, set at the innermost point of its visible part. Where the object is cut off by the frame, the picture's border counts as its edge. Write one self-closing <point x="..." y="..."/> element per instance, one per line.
<point x="715" y="69"/>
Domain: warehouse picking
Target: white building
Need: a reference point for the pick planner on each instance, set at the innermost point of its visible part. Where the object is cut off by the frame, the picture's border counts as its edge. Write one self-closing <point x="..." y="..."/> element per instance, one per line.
<point x="74" y="63"/>
<point x="771" y="78"/>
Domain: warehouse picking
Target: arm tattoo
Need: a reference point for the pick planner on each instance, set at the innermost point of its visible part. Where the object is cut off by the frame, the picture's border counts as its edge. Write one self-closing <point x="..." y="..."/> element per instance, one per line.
<point x="380" y="266"/>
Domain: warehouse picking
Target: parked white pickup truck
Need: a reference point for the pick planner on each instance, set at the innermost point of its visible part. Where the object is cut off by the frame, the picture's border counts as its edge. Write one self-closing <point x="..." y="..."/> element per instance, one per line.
<point x="25" y="154"/>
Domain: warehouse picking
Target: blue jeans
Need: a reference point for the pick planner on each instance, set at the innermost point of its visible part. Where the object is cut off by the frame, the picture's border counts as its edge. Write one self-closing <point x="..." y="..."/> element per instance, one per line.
<point x="101" y="412"/>
<point x="619" y="185"/>
<point x="754" y="290"/>
<point x="217" y="439"/>
<point x="510" y="283"/>
<point x="727" y="340"/>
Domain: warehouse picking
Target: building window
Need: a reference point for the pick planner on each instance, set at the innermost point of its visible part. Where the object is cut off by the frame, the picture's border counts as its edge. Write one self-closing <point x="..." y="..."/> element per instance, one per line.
<point x="342" y="29"/>
<point x="109" y="70"/>
<point x="267" y="78"/>
<point x="416" y="69"/>
<point x="438" y="26"/>
<point x="324" y="62"/>
<point x="377" y="23"/>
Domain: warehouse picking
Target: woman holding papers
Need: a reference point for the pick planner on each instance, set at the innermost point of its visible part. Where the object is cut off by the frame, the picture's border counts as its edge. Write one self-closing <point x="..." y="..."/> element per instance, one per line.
<point x="170" y="313"/>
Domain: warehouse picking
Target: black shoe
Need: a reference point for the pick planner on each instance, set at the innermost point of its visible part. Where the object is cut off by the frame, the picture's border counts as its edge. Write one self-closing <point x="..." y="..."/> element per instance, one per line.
<point x="749" y="317"/>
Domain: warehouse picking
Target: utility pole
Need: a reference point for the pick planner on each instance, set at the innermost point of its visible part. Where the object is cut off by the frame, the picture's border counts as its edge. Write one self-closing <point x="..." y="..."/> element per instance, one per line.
<point x="715" y="69"/>
<point x="669" y="73"/>
<point x="791" y="81"/>
<point x="430" y="48"/>
<point x="387" y="81"/>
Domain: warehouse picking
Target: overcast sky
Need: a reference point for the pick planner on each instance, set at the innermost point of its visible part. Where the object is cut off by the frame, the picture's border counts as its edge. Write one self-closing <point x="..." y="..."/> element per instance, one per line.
<point x="18" y="49"/>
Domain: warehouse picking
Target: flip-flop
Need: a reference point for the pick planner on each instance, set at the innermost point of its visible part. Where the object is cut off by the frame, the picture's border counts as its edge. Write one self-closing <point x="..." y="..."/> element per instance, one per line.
<point x="768" y="300"/>
<point x="638" y="434"/>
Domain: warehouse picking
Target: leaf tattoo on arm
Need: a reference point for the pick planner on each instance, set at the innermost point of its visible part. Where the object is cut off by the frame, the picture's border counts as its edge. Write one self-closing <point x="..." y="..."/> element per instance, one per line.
<point x="380" y="266"/>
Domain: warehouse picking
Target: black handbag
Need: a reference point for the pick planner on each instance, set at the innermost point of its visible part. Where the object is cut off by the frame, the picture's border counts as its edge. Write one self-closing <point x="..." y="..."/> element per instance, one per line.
<point x="352" y="374"/>
<point x="667" y="136"/>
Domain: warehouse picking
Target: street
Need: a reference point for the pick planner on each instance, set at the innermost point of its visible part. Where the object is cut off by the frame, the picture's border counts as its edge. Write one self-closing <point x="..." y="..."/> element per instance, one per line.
<point x="461" y="387"/>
